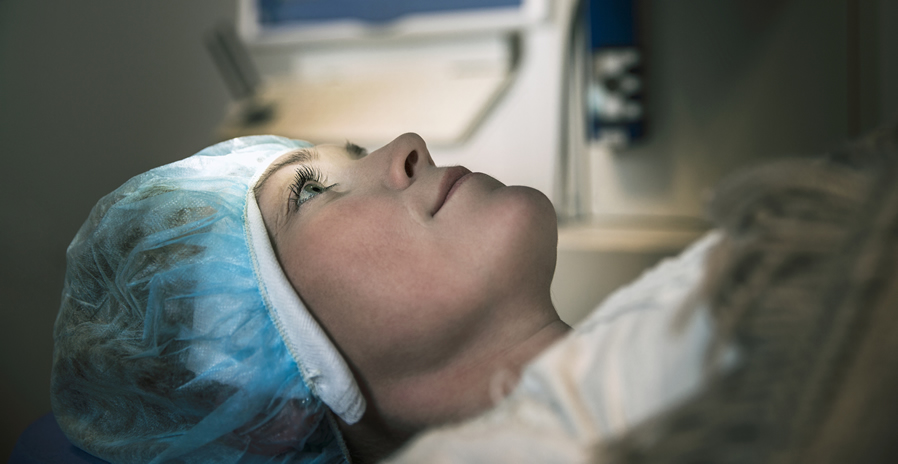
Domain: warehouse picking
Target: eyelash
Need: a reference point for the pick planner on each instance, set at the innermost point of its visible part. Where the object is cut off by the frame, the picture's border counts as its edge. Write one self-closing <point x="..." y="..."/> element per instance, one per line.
<point x="303" y="176"/>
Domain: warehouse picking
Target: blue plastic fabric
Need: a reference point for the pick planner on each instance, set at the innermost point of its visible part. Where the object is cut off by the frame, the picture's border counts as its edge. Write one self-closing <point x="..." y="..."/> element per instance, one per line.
<point x="164" y="349"/>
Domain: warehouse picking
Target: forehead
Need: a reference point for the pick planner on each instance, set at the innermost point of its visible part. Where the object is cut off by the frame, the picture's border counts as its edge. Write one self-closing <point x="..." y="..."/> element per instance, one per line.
<point x="298" y="156"/>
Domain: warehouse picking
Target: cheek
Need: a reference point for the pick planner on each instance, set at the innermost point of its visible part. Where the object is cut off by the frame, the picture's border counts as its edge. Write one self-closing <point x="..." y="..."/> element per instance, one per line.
<point x="391" y="291"/>
<point x="352" y="265"/>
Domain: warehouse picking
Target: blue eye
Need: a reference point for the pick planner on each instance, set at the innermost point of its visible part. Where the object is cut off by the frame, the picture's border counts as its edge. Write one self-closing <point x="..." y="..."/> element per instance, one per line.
<point x="309" y="191"/>
<point x="307" y="184"/>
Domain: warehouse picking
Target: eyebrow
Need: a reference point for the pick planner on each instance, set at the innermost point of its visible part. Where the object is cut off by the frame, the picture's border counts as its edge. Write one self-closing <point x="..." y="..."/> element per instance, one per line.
<point x="355" y="150"/>
<point x="302" y="155"/>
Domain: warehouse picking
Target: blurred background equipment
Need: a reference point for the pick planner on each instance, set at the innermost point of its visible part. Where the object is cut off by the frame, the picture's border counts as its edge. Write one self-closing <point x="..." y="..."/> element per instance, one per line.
<point x="479" y="80"/>
<point x="367" y="71"/>
<point x="615" y="65"/>
<point x="603" y="95"/>
<point x="239" y="73"/>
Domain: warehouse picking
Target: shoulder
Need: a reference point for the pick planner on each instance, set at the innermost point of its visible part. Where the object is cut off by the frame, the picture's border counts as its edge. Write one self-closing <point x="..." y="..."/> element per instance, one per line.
<point x="639" y="352"/>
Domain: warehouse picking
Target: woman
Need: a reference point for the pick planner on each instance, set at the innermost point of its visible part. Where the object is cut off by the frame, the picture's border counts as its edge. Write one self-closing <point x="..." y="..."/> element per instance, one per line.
<point x="265" y="300"/>
<point x="429" y="280"/>
<point x="425" y="300"/>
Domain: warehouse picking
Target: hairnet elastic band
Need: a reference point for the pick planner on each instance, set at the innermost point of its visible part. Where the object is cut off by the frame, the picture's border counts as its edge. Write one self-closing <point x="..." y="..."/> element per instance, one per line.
<point x="321" y="365"/>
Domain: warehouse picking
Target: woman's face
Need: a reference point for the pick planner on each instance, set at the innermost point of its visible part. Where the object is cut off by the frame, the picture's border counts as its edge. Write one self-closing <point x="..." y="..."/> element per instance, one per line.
<point x="403" y="262"/>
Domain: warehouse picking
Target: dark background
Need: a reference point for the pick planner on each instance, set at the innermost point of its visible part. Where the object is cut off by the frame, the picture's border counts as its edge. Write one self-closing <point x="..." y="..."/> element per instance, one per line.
<point x="92" y="92"/>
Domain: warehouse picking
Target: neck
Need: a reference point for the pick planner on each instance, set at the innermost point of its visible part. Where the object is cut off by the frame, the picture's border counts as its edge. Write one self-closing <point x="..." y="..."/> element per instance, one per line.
<point x="478" y="378"/>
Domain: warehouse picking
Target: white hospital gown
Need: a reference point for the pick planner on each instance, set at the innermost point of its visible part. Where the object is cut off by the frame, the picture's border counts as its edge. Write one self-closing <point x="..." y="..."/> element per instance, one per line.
<point x="627" y="361"/>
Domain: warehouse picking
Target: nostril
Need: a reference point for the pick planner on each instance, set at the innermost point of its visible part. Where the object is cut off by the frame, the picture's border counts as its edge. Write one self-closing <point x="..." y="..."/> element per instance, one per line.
<point x="410" y="162"/>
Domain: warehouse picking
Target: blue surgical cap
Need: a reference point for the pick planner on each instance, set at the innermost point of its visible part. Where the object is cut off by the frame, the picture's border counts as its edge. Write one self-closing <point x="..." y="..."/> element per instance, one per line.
<point x="179" y="338"/>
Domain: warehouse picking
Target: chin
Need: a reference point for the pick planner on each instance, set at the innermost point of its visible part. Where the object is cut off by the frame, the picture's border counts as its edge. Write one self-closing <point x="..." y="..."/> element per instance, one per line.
<point x="529" y="228"/>
<point x="535" y="210"/>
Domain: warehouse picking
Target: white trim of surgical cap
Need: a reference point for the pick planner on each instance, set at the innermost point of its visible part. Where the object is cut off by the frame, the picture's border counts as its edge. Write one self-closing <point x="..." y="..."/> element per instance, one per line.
<point x="322" y="367"/>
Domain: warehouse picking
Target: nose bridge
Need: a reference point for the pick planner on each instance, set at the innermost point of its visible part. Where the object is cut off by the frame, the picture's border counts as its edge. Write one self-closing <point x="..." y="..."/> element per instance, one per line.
<point x="407" y="155"/>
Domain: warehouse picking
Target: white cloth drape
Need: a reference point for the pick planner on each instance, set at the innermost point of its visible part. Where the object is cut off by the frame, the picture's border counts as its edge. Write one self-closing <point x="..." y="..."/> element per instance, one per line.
<point x="640" y="352"/>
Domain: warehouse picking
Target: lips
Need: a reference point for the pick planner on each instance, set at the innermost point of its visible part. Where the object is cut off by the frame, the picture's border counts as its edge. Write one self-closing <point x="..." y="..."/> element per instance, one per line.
<point x="449" y="183"/>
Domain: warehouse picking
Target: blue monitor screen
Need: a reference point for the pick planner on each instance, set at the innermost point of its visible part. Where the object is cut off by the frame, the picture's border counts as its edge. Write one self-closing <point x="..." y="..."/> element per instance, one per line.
<point x="279" y="12"/>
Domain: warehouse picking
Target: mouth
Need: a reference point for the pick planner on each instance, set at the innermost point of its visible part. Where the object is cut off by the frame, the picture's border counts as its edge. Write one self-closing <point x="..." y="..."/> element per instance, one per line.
<point x="453" y="177"/>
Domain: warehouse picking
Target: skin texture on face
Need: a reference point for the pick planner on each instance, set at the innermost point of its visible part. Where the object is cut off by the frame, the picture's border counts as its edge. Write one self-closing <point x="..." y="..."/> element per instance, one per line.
<point x="425" y="277"/>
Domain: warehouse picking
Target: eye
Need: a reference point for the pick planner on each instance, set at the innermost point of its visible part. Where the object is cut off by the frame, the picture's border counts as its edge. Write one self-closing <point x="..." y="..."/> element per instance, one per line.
<point x="307" y="184"/>
<point x="309" y="191"/>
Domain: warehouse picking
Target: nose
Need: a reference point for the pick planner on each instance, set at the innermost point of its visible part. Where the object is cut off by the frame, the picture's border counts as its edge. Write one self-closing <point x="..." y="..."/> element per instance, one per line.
<point x="408" y="155"/>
